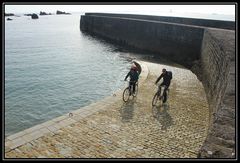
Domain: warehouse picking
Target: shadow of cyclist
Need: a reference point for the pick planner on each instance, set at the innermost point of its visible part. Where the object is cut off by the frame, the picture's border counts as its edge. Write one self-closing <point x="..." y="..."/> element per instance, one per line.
<point x="126" y="110"/>
<point x="162" y="115"/>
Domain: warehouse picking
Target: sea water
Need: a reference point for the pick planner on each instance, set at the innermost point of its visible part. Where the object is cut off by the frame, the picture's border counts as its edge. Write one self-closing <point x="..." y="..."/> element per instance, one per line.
<point x="52" y="68"/>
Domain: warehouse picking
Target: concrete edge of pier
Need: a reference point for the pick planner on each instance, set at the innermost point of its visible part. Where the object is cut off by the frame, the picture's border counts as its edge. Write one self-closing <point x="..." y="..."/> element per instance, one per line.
<point x="52" y="126"/>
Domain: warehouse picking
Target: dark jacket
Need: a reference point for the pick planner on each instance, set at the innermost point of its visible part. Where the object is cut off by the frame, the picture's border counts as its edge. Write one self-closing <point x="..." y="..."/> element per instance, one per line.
<point x="133" y="75"/>
<point x="166" y="78"/>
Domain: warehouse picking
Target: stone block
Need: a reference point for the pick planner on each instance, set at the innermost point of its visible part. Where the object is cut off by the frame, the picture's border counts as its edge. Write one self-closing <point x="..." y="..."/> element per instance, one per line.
<point x="34" y="128"/>
<point x="17" y="142"/>
<point x="14" y="136"/>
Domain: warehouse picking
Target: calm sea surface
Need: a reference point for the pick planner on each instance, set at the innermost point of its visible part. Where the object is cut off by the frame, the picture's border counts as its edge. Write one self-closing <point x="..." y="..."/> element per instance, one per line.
<point x="52" y="68"/>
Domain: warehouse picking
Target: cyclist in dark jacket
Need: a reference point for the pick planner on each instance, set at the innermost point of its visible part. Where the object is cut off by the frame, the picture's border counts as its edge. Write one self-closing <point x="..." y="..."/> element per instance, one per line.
<point x="167" y="77"/>
<point x="134" y="75"/>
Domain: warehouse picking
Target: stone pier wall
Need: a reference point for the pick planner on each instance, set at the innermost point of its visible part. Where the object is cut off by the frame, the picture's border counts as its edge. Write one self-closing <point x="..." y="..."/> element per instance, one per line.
<point x="218" y="78"/>
<point x="209" y="52"/>
<point x="151" y="36"/>
<point x="187" y="21"/>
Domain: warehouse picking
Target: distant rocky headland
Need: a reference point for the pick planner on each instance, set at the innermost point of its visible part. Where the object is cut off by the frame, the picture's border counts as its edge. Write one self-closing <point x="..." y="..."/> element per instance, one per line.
<point x="9" y="14"/>
<point x="27" y="14"/>
<point x="41" y="13"/>
<point x="44" y="13"/>
<point x="34" y="16"/>
<point x="61" y="12"/>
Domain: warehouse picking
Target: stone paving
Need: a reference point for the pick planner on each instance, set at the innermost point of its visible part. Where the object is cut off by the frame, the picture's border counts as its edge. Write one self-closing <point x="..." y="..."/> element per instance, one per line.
<point x="113" y="129"/>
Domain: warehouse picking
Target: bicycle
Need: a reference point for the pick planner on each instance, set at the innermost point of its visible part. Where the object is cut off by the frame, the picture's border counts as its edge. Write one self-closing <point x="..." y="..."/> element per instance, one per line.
<point x="160" y="95"/>
<point x="129" y="91"/>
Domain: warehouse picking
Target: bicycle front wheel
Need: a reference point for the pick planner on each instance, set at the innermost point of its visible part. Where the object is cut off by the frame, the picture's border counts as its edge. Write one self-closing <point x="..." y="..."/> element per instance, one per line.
<point x="126" y="95"/>
<point x="155" y="99"/>
<point x="136" y="91"/>
<point x="155" y="112"/>
<point x="165" y="96"/>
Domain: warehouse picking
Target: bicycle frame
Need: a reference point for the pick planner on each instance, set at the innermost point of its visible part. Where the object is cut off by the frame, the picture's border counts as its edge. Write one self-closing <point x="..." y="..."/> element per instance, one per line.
<point x="130" y="90"/>
<point x="129" y="86"/>
<point x="162" y="90"/>
<point x="160" y="95"/>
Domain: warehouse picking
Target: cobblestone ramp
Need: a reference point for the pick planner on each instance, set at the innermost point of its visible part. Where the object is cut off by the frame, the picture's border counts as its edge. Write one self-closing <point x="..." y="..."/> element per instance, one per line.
<point x="113" y="129"/>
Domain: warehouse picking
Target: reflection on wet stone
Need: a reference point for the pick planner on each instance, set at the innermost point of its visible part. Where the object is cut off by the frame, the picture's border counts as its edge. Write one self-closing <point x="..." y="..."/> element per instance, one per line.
<point x="134" y="129"/>
<point x="127" y="110"/>
<point x="163" y="116"/>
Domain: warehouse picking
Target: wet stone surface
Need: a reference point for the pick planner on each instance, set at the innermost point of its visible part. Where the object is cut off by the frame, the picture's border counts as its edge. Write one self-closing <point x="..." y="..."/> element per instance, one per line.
<point x="134" y="129"/>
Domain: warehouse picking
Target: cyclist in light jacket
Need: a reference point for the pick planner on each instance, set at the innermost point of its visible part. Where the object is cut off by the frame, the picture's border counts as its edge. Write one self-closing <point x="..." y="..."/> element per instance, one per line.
<point x="134" y="75"/>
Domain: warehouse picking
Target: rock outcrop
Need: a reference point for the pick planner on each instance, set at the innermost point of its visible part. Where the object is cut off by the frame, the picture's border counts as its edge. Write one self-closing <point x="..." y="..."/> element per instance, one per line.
<point x="44" y="13"/>
<point x="61" y="12"/>
<point x="34" y="16"/>
<point x="27" y="14"/>
<point x="9" y="14"/>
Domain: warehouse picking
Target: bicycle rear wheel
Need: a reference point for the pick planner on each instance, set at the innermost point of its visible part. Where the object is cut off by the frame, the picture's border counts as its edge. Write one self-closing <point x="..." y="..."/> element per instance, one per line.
<point x="126" y="94"/>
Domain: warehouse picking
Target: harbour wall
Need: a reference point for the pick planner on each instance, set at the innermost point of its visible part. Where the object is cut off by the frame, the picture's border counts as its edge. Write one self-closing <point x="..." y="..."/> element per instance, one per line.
<point x="187" y="21"/>
<point x="181" y="43"/>
<point x="206" y="47"/>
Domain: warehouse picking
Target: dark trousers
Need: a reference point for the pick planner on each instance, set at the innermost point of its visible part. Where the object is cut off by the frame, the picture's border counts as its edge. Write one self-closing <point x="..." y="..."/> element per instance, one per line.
<point x="132" y="84"/>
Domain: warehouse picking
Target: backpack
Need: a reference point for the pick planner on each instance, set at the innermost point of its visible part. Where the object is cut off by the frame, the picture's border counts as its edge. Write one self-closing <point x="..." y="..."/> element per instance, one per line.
<point x="170" y="74"/>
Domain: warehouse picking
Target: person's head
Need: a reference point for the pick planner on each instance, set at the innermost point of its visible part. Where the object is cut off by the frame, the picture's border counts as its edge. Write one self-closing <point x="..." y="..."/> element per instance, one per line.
<point x="133" y="67"/>
<point x="164" y="70"/>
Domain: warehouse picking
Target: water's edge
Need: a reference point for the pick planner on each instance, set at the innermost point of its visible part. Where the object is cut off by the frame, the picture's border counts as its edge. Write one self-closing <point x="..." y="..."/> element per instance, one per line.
<point x="32" y="133"/>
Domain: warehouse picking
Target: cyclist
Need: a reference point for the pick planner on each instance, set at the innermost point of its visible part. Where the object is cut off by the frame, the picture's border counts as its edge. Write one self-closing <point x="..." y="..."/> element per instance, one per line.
<point x="167" y="77"/>
<point x="134" y="75"/>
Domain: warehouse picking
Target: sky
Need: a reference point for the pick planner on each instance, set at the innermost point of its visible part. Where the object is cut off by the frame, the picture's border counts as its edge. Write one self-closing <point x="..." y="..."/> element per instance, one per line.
<point x="205" y="9"/>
